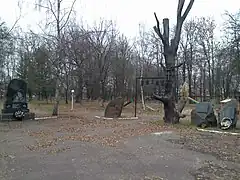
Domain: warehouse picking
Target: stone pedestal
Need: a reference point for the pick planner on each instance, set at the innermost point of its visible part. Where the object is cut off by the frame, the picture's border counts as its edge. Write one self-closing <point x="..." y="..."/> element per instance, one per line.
<point x="10" y="117"/>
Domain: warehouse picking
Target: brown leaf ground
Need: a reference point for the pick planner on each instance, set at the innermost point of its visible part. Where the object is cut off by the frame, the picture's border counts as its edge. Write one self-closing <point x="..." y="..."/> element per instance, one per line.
<point x="81" y="125"/>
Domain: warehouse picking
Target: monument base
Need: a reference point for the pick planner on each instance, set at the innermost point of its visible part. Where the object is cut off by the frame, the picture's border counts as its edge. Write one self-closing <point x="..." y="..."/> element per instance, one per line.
<point x="10" y="117"/>
<point x="117" y="118"/>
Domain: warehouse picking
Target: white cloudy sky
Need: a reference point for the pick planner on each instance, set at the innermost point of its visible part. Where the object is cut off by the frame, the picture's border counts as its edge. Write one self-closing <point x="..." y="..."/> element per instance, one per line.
<point x="127" y="13"/>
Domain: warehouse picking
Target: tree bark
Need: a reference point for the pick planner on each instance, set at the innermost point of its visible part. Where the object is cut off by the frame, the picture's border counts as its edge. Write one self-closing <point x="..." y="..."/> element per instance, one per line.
<point x="189" y="69"/>
<point x="59" y="58"/>
<point x="142" y="93"/>
<point x="204" y="83"/>
<point x="56" y="104"/>
<point x="172" y="115"/>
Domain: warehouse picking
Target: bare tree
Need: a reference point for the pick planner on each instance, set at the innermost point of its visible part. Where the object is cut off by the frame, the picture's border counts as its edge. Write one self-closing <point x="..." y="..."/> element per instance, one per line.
<point x="205" y="29"/>
<point x="54" y="7"/>
<point x="101" y="40"/>
<point x="143" y="52"/>
<point x="172" y="115"/>
<point x="188" y="46"/>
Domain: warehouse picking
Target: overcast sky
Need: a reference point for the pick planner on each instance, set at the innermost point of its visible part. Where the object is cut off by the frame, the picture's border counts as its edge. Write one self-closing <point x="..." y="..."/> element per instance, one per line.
<point x="127" y="13"/>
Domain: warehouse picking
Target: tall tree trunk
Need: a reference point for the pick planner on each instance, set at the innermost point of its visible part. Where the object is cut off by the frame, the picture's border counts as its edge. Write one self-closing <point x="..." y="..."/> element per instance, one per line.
<point x="184" y="65"/>
<point x="171" y="113"/>
<point x="57" y="99"/>
<point x="189" y="68"/>
<point x="142" y="93"/>
<point x="66" y="96"/>
<point x="201" y="85"/>
<point x="194" y="85"/>
<point x="213" y="72"/>
<point x="59" y="59"/>
<point x="204" y="83"/>
<point x="227" y="86"/>
<point x="79" y="93"/>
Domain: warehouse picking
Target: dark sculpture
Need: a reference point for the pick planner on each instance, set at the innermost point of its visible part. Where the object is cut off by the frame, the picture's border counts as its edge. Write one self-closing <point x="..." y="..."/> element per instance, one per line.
<point x="16" y="105"/>
<point x="203" y="115"/>
<point x="114" y="108"/>
<point x="227" y="116"/>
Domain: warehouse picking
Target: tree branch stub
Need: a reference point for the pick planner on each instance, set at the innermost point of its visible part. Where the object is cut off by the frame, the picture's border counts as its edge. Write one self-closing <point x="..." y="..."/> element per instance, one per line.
<point x="157" y="29"/>
<point x="166" y="31"/>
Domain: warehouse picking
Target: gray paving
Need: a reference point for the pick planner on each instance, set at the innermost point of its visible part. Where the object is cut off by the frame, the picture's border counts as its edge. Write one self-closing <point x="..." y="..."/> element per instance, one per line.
<point x="140" y="157"/>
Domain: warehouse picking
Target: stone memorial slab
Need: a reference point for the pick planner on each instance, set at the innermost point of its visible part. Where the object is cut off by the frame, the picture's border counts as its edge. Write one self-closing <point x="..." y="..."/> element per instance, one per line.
<point x="114" y="108"/>
<point x="16" y="106"/>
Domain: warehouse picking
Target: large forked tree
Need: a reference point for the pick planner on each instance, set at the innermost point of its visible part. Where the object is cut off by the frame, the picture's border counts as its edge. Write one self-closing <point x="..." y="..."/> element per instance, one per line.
<point x="171" y="113"/>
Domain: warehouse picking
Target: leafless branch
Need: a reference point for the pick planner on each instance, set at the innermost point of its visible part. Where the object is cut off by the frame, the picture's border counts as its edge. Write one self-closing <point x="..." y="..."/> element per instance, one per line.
<point x="187" y="10"/>
<point x="70" y="11"/>
<point x="180" y="20"/>
<point x="14" y="24"/>
<point x="162" y="65"/>
<point x="46" y="33"/>
<point x="177" y="66"/>
<point x="41" y="6"/>
<point x="157" y="29"/>
<point x="63" y="16"/>
<point x="162" y="99"/>
<point x="2" y="24"/>
<point x="180" y="7"/>
<point x="52" y="10"/>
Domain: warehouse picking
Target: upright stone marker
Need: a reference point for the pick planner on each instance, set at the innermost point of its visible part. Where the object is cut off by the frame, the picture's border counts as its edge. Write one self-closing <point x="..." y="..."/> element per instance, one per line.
<point x="114" y="108"/>
<point x="16" y="106"/>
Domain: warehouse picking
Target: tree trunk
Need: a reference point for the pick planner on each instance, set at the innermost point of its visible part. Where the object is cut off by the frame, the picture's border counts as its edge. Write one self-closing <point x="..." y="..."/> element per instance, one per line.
<point x="172" y="115"/>
<point x="79" y="93"/>
<point x="30" y="94"/>
<point x="142" y="93"/>
<point x="184" y="65"/>
<point x="213" y="72"/>
<point x="201" y="85"/>
<point x="66" y="89"/>
<point x="204" y="83"/>
<point x="194" y="85"/>
<point x="66" y="96"/>
<point x="170" y="111"/>
<point x="189" y="69"/>
<point x="59" y="59"/>
<point x="227" y="86"/>
<point x="56" y="104"/>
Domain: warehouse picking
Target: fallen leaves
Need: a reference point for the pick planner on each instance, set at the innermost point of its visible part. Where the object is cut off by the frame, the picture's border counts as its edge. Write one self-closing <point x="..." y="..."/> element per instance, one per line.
<point x="212" y="171"/>
<point x="58" y="150"/>
<point x="105" y="132"/>
<point x="153" y="178"/>
<point x="223" y="147"/>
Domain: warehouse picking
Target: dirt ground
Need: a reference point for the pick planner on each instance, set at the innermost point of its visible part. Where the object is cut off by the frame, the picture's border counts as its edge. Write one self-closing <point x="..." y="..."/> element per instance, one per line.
<point x="77" y="145"/>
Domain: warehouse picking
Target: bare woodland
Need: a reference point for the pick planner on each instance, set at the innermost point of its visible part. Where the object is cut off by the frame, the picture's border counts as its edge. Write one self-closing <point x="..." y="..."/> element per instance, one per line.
<point x="99" y="62"/>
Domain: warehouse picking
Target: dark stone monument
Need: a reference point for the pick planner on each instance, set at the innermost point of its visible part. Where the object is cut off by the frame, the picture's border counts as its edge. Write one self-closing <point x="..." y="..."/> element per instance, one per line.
<point x="114" y="108"/>
<point x="203" y="115"/>
<point x="16" y="106"/>
<point x="227" y="117"/>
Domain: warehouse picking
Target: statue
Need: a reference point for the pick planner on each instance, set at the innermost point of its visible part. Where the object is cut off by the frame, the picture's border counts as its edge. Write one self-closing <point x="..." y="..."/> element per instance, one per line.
<point x="16" y="106"/>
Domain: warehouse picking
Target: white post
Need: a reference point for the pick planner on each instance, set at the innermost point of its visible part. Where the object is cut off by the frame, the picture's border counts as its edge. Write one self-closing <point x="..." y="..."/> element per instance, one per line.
<point x="72" y="91"/>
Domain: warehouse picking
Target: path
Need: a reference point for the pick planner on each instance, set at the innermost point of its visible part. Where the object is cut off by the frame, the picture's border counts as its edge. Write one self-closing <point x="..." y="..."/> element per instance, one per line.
<point x="140" y="157"/>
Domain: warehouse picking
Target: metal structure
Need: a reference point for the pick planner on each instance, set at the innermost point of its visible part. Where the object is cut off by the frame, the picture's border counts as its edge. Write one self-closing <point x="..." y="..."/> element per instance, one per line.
<point x="159" y="78"/>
